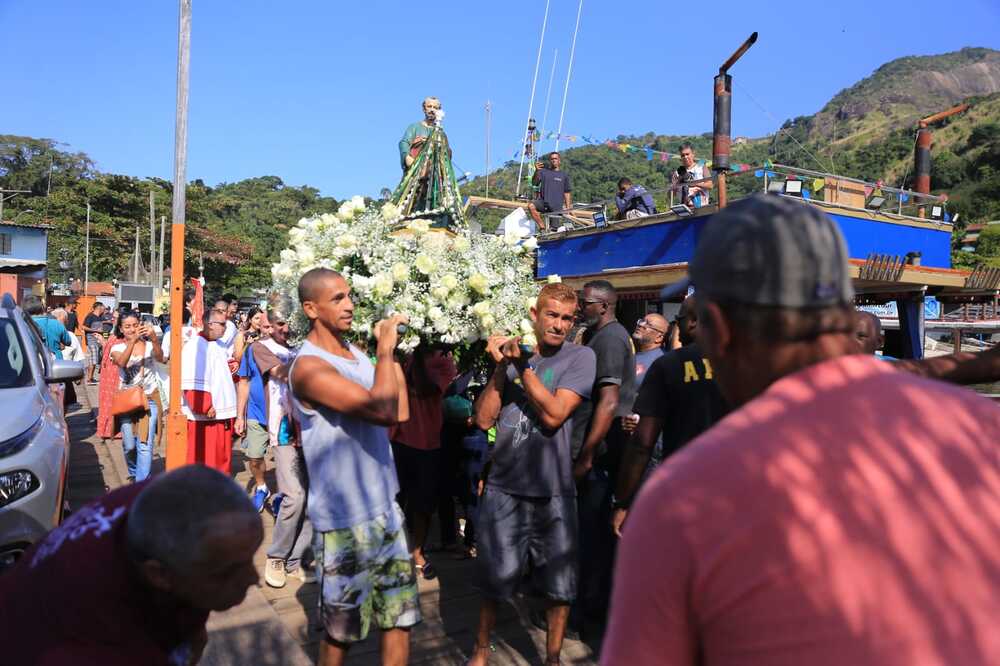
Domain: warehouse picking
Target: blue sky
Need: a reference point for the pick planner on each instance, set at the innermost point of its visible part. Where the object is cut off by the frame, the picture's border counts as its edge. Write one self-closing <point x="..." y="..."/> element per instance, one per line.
<point x="319" y="93"/>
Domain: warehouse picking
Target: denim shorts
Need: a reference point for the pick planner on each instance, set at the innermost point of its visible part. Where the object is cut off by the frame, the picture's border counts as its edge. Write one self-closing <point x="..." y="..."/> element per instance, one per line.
<point x="516" y="535"/>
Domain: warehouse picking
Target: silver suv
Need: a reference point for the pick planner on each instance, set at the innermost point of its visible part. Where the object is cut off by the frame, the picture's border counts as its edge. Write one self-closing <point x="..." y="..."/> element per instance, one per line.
<point x="34" y="439"/>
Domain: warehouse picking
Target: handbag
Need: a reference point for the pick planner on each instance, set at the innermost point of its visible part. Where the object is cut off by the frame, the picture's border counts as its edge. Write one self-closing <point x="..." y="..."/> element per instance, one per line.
<point x="128" y="400"/>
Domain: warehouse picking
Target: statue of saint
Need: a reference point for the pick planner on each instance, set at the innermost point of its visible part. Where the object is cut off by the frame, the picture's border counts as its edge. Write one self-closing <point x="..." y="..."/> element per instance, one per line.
<point x="416" y="134"/>
<point x="428" y="189"/>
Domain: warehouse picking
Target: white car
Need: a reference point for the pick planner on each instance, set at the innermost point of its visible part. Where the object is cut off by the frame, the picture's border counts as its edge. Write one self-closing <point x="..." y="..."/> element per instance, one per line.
<point x="34" y="439"/>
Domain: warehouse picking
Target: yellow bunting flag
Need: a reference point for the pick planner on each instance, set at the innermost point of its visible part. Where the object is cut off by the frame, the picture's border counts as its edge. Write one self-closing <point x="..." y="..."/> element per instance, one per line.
<point x="818" y="184"/>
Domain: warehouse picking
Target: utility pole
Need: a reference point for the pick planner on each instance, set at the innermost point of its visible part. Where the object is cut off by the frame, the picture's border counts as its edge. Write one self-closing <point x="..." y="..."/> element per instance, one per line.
<point x="176" y="422"/>
<point x="86" y="255"/>
<point x="152" y="238"/>
<point x="135" y="260"/>
<point x="159" y="272"/>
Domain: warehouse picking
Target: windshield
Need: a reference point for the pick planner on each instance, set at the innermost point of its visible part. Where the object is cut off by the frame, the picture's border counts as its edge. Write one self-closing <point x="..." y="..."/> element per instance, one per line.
<point x="15" y="369"/>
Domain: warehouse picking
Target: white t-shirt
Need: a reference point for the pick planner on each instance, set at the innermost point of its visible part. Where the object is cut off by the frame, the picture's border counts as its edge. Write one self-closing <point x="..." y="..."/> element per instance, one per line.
<point x="277" y="392"/>
<point x="697" y="172"/>
<point x="140" y="369"/>
<point x="187" y="332"/>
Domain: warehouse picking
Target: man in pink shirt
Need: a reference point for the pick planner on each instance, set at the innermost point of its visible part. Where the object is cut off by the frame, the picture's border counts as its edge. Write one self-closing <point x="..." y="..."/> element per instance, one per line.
<point x="846" y="513"/>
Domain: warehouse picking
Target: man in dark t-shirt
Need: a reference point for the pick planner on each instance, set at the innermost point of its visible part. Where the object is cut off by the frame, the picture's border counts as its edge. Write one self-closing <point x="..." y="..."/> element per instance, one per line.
<point x="679" y="400"/>
<point x="603" y="436"/>
<point x="555" y="190"/>
<point x="528" y="513"/>
<point x="93" y="331"/>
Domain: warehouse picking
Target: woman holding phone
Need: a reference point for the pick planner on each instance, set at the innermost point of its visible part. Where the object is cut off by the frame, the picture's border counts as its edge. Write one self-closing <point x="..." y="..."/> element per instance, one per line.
<point x="135" y="357"/>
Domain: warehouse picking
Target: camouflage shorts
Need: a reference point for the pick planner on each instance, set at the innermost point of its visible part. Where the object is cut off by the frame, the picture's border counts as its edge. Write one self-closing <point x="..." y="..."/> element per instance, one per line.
<point x="366" y="576"/>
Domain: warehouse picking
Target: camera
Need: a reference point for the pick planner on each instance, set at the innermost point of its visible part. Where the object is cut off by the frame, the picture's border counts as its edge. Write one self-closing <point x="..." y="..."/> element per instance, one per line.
<point x="684" y="176"/>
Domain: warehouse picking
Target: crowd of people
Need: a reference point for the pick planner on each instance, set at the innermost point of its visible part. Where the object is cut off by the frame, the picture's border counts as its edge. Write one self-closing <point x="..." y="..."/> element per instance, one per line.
<point x="747" y="483"/>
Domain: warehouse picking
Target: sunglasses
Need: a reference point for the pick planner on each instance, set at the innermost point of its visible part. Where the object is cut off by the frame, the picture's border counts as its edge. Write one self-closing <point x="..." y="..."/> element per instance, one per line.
<point x="644" y="324"/>
<point x="590" y="301"/>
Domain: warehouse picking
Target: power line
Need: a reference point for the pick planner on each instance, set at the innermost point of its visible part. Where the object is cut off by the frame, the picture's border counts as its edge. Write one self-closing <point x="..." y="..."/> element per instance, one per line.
<point x="781" y="129"/>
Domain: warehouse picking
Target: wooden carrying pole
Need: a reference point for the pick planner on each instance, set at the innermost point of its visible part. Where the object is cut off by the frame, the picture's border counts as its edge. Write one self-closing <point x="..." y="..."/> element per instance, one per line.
<point x="176" y="422"/>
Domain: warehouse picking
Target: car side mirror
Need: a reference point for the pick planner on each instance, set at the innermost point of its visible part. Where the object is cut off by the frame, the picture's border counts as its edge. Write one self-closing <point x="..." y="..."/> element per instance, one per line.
<point x="64" y="371"/>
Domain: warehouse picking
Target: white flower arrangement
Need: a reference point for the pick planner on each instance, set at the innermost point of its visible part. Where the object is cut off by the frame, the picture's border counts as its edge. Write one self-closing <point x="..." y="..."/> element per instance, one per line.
<point x="455" y="288"/>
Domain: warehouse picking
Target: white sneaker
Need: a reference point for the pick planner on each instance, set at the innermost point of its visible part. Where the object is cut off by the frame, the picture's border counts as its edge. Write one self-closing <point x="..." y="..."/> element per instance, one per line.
<point x="304" y="574"/>
<point x="274" y="572"/>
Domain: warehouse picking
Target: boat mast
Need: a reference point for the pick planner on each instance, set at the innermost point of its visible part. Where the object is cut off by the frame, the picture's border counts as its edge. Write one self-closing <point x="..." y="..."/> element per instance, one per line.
<point x="569" y="73"/>
<point x="531" y="103"/>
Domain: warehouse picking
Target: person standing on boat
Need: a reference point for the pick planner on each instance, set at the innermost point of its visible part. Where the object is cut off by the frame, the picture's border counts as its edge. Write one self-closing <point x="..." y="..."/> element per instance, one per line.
<point x="692" y="170"/>
<point x="555" y="193"/>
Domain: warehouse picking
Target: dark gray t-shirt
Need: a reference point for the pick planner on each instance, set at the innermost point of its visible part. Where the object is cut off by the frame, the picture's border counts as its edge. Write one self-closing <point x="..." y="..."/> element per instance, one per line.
<point x="615" y="353"/>
<point x="553" y="184"/>
<point x="527" y="460"/>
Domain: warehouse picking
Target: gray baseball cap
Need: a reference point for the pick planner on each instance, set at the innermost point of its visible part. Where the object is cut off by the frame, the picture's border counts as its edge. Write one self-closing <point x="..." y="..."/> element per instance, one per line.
<point x="772" y="251"/>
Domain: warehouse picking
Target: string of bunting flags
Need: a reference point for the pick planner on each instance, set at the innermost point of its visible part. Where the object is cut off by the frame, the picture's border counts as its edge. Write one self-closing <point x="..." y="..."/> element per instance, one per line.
<point x="817" y="184"/>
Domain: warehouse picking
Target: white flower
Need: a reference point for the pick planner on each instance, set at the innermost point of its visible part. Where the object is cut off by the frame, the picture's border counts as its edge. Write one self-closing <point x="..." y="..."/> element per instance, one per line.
<point x="345" y="212"/>
<point x="457" y="300"/>
<point x="382" y="284"/>
<point x="482" y="308"/>
<point x="529" y="339"/>
<point x="358" y="203"/>
<point x="530" y="244"/>
<point x="425" y="264"/>
<point x="477" y="282"/>
<point x="390" y="212"/>
<point x="554" y="278"/>
<point x="419" y="226"/>
<point x="527" y="327"/>
<point x="461" y="269"/>
<point x="400" y="271"/>
<point x="347" y="241"/>
<point x="305" y="255"/>
<point x="511" y="237"/>
<point x="530" y="302"/>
